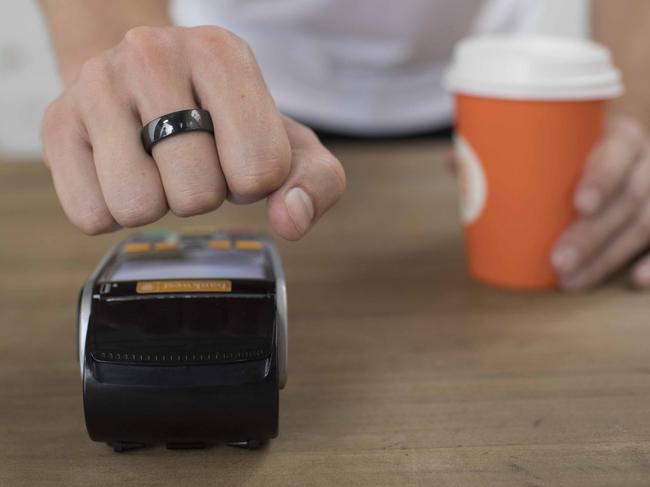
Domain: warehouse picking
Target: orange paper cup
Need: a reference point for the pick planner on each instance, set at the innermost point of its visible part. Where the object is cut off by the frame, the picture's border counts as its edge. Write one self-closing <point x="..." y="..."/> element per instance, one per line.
<point x="528" y="113"/>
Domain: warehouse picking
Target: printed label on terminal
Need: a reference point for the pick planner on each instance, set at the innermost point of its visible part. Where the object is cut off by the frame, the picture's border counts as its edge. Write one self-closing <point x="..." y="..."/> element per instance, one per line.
<point x="184" y="286"/>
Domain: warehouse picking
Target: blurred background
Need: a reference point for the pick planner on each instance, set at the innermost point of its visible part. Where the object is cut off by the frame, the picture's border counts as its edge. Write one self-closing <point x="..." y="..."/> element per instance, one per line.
<point x="28" y="78"/>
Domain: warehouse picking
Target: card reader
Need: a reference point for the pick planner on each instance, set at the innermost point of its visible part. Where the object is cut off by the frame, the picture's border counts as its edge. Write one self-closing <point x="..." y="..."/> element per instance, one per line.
<point x="182" y="341"/>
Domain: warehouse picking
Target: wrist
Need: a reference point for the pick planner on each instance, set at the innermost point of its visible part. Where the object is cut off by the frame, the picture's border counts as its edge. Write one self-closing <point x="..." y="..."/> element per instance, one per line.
<point x="82" y="29"/>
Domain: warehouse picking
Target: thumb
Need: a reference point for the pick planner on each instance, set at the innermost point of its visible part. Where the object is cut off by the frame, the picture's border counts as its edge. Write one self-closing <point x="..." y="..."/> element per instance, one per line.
<point x="316" y="182"/>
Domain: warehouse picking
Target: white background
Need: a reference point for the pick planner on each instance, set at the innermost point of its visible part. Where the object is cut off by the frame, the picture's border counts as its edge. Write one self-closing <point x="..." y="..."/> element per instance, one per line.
<point x="28" y="78"/>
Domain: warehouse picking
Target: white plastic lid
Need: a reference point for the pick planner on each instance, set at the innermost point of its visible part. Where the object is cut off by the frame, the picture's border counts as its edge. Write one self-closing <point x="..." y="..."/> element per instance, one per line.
<point x="543" y="68"/>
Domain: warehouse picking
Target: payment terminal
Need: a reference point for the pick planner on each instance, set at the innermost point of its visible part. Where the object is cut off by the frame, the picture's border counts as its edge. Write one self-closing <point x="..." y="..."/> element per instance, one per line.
<point x="182" y="341"/>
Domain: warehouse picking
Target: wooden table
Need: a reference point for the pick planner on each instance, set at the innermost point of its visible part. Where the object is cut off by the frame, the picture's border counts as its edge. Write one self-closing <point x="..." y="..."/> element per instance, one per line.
<point x="402" y="371"/>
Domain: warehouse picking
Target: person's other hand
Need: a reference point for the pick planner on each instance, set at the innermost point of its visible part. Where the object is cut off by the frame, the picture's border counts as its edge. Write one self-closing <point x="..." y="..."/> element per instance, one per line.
<point x="104" y="178"/>
<point x="613" y="202"/>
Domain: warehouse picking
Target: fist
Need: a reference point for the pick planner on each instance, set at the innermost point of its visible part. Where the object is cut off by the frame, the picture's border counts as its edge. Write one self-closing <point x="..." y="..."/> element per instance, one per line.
<point x="106" y="180"/>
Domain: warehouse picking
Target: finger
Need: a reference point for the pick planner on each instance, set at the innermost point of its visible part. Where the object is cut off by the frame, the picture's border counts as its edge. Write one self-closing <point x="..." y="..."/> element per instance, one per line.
<point x="316" y="183"/>
<point x="631" y="240"/>
<point x="640" y="275"/>
<point x="70" y="159"/>
<point x="608" y="165"/>
<point x="128" y="177"/>
<point x="188" y="164"/>
<point x="251" y="141"/>
<point x="587" y="236"/>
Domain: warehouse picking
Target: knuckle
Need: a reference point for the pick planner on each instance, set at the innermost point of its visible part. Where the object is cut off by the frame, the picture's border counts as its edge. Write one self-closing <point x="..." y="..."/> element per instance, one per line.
<point x="93" y="221"/>
<point x="58" y="127"/>
<point x="333" y="168"/>
<point x="97" y="70"/>
<point x="148" y="40"/>
<point x="216" y="42"/>
<point x="629" y="127"/>
<point x="149" y="50"/>
<point x="218" y="38"/>
<point x="196" y="203"/>
<point x="584" y="236"/>
<point x="608" y="162"/>
<point x="300" y="131"/>
<point x="605" y="176"/>
<point x="138" y="210"/>
<point x="53" y="120"/>
<point x="261" y="175"/>
<point x="53" y="113"/>
<point x="94" y="85"/>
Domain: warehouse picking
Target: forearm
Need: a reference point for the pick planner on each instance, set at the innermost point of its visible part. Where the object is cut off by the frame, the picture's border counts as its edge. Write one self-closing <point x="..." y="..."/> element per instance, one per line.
<point x="623" y="26"/>
<point x="80" y="29"/>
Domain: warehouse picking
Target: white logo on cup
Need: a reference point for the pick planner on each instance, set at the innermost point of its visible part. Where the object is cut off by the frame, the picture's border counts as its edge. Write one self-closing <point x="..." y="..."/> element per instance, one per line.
<point x="473" y="187"/>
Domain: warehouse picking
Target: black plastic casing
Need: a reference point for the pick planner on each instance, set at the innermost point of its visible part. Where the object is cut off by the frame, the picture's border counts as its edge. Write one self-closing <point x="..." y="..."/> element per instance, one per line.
<point x="198" y="396"/>
<point x="181" y="404"/>
<point x="190" y="397"/>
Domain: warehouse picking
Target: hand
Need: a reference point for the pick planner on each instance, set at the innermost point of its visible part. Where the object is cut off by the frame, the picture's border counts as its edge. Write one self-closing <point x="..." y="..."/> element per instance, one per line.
<point x="613" y="202"/>
<point x="104" y="178"/>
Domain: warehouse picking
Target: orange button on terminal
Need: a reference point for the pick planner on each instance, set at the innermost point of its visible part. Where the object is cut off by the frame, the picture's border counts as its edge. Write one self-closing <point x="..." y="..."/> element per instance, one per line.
<point x="165" y="246"/>
<point x="219" y="244"/>
<point x="136" y="247"/>
<point x="248" y="244"/>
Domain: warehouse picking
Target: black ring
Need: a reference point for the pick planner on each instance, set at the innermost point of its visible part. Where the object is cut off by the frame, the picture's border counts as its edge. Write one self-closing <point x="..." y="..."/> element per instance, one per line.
<point x="175" y="123"/>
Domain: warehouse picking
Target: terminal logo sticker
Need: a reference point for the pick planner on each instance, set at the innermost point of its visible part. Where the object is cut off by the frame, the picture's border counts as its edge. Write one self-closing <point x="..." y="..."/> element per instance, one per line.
<point x="473" y="187"/>
<point x="184" y="286"/>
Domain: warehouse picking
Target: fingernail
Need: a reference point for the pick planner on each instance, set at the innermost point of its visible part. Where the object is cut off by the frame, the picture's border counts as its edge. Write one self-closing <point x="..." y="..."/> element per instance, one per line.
<point x="588" y="200"/>
<point x="565" y="258"/>
<point x="642" y="275"/>
<point x="300" y="208"/>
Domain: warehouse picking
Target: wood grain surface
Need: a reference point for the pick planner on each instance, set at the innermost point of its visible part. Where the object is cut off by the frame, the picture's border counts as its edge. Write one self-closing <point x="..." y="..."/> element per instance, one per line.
<point x="402" y="371"/>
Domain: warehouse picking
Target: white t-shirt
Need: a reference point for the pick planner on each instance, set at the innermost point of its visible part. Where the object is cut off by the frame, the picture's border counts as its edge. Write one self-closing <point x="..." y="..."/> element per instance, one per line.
<point x="369" y="66"/>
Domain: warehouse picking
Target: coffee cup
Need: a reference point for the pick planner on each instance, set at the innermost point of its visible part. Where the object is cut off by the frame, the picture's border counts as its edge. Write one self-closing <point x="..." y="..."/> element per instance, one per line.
<point x="528" y="112"/>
